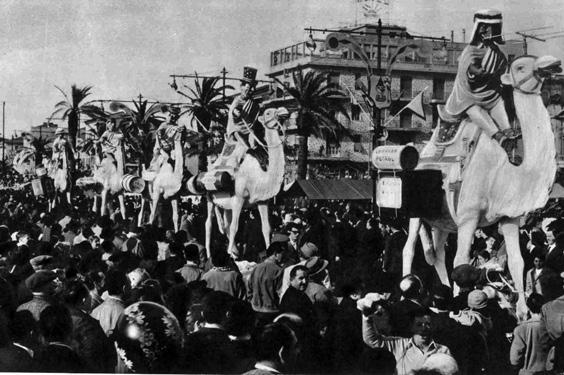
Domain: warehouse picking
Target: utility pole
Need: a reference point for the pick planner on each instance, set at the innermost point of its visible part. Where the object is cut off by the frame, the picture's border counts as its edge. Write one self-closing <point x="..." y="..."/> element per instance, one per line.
<point x="223" y="73"/>
<point x="525" y="36"/>
<point x="3" y="134"/>
<point x="377" y="116"/>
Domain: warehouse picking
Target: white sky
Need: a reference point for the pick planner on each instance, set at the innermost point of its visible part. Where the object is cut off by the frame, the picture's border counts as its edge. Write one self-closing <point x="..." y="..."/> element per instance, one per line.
<point x="127" y="47"/>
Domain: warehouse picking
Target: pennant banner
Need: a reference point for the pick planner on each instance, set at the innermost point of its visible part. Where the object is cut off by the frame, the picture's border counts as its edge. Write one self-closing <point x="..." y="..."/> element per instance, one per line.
<point x="416" y="105"/>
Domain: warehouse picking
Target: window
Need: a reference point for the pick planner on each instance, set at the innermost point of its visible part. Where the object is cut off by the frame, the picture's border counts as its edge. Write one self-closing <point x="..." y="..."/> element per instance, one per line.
<point x="405" y="86"/>
<point x="439" y="88"/>
<point x="334" y="78"/>
<point x="405" y="119"/>
<point x="355" y="112"/>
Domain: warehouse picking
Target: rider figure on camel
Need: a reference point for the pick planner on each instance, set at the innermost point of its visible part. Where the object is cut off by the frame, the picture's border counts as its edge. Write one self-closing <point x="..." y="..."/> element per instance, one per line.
<point x="477" y="87"/>
<point x="166" y="134"/>
<point x="243" y="113"/>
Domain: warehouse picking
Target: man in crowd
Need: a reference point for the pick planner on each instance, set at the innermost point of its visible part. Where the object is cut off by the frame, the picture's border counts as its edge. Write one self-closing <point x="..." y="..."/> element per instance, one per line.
<point x="531" y="343"/>
<point x="42" y="285"/>
<point x="410" y="353"/>
<point x="295" y="300"/>
<point x="110" y="310"/>
<point x="264" y="283"/>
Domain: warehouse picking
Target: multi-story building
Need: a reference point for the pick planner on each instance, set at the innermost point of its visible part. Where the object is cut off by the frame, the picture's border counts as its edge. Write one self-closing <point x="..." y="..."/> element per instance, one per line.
<point x="410" y="74"/>
<point x="44" y="131"/>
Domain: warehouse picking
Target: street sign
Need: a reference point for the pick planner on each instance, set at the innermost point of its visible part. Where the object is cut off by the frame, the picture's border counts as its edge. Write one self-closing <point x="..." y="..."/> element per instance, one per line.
<point x="388" y="192"/>
<point x="380" y="92"/>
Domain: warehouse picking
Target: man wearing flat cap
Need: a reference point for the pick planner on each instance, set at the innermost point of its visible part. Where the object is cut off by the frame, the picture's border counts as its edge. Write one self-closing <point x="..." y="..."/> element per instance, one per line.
<point x="42" y="285"/>
<point x="40" y="262"/>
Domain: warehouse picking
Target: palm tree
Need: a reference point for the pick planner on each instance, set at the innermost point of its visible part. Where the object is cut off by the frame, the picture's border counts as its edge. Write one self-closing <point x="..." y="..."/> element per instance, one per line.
<point x="139" y="126"/>
<point x="208" y="106"/>
<point x="73" y="107"/>
<point x="318" y="103"/>
<point x="207" y="102"/>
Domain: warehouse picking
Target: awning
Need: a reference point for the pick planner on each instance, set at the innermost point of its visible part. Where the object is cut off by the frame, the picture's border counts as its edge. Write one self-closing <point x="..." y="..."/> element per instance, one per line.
<point x="557" y="191"/>
<point x="344" y="189"/>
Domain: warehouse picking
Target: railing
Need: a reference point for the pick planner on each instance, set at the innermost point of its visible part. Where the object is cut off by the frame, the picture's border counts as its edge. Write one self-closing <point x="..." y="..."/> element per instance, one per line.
<point x="440" y="57"/>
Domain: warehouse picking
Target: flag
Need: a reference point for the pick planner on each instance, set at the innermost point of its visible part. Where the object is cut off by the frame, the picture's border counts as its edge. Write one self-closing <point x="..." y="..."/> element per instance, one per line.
<point x="416" y="105"/>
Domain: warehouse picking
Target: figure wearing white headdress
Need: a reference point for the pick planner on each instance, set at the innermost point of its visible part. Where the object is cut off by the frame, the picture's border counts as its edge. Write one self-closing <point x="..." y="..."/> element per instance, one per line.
<point x="477" y="87"/>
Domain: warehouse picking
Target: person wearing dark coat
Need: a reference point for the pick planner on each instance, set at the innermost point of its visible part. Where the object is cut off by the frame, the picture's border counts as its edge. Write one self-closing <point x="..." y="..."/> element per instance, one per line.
<point x="95" y="349"/>
<point x="209" y="349"/>
<point x="393" y="250"/>
<point x="14" y="357"/>
<point x="402" y="311"/>
<point x="295" y="300"/>
<point x="555" y="255"/>
<point x="348" y="342"/>
<point x="55" y="324"/>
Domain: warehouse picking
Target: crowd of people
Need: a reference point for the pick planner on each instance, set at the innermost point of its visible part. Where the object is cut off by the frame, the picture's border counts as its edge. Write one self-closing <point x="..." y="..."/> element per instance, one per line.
<point x="81" y="293"/>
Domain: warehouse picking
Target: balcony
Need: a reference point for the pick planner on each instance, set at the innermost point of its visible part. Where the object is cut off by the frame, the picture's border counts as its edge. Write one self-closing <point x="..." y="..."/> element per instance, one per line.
<point x="441" y="60"/>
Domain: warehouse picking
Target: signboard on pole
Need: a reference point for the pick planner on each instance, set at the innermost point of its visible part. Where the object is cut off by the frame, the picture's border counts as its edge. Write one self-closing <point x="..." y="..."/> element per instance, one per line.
<point x="380" y="92"/>
<point x="389" y="192"/>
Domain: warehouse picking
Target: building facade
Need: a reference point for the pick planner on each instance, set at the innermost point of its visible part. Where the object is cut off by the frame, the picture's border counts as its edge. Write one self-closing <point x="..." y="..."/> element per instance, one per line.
<point x="432" y="72"/>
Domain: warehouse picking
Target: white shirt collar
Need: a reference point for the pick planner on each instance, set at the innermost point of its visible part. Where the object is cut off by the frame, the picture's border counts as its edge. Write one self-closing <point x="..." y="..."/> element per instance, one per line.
<point x="28" y="350"/>
<point x="260" y="366"/>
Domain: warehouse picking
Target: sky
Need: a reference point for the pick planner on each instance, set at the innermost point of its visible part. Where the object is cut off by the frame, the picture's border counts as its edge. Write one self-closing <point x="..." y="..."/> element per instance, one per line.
<point x="129" y="47"/>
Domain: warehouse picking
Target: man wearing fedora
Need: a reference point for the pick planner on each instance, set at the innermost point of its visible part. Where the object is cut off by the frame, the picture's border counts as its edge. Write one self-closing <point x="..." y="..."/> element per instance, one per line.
<point x="315" y="290"/>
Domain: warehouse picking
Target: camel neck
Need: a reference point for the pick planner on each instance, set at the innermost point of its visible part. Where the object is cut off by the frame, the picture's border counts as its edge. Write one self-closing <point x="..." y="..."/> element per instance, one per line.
<point x="538" y="139"/>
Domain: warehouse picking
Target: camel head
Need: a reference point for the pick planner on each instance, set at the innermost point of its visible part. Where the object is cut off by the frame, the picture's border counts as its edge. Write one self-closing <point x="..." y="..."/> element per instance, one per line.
<point x="272" y="118"/>
<point x="527" y="73"/>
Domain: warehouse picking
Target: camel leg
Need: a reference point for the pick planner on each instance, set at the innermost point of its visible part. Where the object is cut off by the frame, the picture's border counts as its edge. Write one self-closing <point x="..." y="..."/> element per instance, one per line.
<point x="221" y="220"/>
<point x="103" y="205"/>
<point x="236" y="207"/>
<point x="174" y="204"/>
<point x="141" y="211"/>
<point x="95" y="205"/>
<point x="439" y="240"/>
<point x="427" y="243"/>
<point x="409" y="247"/>
<point x="209" y="226"/>
<point x="265" y="223"/>
<point x="122" y="206"/>
<point x="510" y="230"/>
<point x="465" y="236"/>
<point x="155" y="203"/>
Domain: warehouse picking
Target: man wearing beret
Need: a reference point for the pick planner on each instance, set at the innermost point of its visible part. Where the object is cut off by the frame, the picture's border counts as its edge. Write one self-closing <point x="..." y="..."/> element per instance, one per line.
<point x="42" y="285"/>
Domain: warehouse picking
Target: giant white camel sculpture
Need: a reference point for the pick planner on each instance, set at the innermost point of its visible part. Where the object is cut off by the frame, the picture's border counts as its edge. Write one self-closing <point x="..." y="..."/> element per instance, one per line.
<point x="252" y="184"/>
<point x="492" y="190"/>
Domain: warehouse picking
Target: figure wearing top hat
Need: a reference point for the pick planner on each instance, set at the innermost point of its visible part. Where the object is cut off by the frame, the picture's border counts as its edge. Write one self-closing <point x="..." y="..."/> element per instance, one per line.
<point x="477" y="87"/>
<point x="242" y="109"/>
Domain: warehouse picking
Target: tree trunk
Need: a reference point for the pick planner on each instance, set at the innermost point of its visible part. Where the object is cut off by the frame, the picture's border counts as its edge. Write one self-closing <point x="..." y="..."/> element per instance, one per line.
<point x="73" y="128"/>
<point x="302" y="157"/>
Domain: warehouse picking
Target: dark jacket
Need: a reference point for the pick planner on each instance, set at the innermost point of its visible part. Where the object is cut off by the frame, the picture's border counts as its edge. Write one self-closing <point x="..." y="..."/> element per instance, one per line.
<point x="209" y="350"/>
<point x="94" y="348"/>
<point x="297" y="302"/>
<point x="58" y="358"/>
<point x="264" y="282"/>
